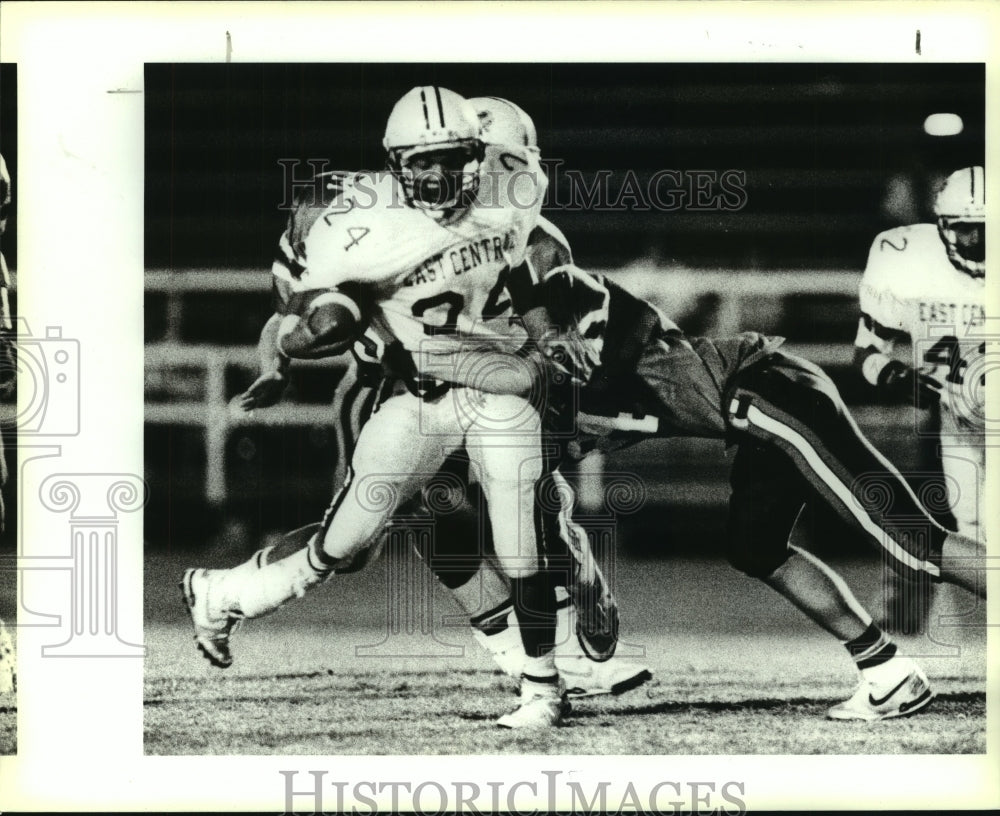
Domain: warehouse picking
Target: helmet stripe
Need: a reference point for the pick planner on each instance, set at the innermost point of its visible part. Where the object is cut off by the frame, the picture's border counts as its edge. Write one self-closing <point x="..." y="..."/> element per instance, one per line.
<point x="437" y="92"/>
<point x="423" y="99"/>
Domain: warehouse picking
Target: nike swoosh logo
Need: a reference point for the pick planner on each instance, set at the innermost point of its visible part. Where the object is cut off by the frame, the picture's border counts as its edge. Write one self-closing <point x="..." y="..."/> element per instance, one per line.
<point x="920" y="702"/>
<point x="896" y="688"/>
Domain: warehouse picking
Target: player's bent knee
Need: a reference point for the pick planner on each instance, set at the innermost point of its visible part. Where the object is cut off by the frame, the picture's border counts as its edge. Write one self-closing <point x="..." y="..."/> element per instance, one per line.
<point x="757" y="563"/>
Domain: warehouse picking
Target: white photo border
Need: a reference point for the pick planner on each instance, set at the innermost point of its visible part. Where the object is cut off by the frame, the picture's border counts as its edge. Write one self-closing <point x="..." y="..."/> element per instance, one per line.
<point x="80" y="232"/>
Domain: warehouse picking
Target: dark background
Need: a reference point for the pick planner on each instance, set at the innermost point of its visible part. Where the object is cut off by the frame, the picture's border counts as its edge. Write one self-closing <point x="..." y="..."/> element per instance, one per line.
<point x="818" y="144"/>
<point x="833" y="154"/>
<point x="8" y="245"/>
<point x="8" y="148"/>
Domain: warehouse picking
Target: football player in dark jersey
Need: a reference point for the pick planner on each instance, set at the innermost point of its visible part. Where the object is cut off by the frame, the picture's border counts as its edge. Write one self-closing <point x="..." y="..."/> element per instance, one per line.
<point x="795" y="440"/>
<point x="795" y="443"/>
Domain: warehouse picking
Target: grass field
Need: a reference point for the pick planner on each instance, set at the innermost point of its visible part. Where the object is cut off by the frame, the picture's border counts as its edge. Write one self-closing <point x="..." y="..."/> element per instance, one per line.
<point x="736" y="671"/>
<point x="8" y="702"/>
<point x="8" y="718"/>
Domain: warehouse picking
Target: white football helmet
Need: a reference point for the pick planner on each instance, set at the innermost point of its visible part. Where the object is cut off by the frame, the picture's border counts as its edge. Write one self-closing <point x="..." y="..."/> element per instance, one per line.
<point x="502" y="122"/>
<point x="960" y="209"/>
<point x="433" y="120"/>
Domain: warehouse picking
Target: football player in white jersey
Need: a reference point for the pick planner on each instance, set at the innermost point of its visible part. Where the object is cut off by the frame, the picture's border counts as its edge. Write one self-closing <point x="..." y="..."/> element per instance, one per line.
<point x="924" y="286"/>
<point x="432" y="270"/>
<point x="585" y="640"/>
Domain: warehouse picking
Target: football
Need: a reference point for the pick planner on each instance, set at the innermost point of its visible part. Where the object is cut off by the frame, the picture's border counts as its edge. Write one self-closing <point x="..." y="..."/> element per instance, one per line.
<point x="329" y="323"/>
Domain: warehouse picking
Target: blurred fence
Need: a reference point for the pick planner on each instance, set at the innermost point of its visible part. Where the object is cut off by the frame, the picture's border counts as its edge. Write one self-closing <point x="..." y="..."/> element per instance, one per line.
<point x="200" y="353"/>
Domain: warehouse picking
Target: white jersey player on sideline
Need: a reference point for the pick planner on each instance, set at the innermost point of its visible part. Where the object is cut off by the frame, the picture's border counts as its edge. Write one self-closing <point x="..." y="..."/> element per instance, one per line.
<point x="584" y="644"/>
<point x="925" y="284"/>
<point x="433" y="271"/>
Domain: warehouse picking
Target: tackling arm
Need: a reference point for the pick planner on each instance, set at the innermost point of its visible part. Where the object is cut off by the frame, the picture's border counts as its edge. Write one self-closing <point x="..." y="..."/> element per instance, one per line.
<point x="520" y="372"/>
<point x="542" y="358"/>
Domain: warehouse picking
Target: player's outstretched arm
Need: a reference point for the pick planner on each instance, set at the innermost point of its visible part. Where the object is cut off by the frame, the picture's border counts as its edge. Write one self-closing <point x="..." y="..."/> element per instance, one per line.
<point x="268" y="388"/>
<point x="490" y="370"/>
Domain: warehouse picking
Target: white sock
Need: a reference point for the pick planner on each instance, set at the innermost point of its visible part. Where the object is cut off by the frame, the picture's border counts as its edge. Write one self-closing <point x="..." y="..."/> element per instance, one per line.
<point x="540" y="667"/>
<point x="890" y="672"/>
<point x="229" y="581"/>
<point x="498" y="634"/>
<point x="252" y="590"/>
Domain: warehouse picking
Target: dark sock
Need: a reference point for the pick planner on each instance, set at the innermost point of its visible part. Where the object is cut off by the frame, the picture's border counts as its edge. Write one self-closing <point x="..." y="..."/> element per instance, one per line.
<point x="872" y="648"/>
<point x="552" y="679"/>
<point x="534" y="600"/>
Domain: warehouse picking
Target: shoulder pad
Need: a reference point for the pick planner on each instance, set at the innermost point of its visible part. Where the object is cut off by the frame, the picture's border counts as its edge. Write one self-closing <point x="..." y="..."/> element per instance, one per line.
<point x="310" y="202"/>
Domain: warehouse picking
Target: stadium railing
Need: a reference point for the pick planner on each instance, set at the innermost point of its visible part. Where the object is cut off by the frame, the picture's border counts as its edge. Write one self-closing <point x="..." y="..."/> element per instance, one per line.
<point x="214" y="412"/>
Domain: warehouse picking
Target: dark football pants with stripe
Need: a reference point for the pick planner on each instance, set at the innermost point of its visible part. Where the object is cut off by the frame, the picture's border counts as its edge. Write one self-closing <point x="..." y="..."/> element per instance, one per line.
<point x="797" y="441"/>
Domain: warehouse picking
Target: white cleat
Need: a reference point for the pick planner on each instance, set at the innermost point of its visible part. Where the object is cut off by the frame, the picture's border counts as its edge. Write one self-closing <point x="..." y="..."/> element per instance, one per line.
<point x="211" y="631"/>
<point x="907" y="693"/>
<point x="585" y="678"/>
<point x="542" y="705"/>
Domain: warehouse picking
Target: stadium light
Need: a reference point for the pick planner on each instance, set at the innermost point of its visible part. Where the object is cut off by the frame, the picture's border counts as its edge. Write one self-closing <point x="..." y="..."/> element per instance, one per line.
<point x="943" y="124"/>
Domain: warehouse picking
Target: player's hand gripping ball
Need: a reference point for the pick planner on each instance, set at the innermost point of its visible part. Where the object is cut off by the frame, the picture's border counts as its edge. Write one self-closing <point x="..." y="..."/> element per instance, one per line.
<point x="329" y="323"/>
